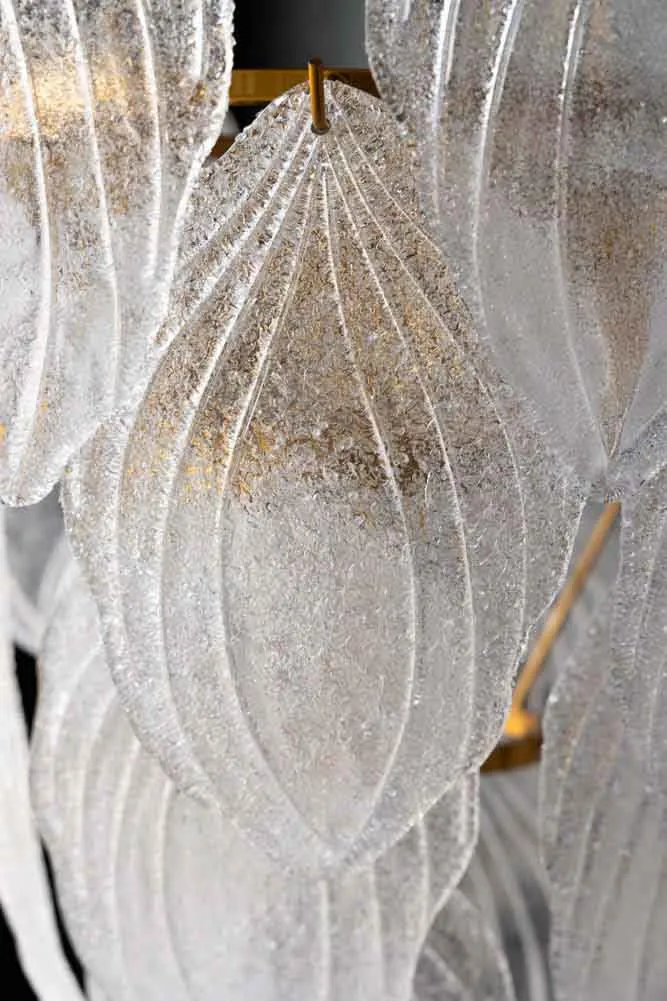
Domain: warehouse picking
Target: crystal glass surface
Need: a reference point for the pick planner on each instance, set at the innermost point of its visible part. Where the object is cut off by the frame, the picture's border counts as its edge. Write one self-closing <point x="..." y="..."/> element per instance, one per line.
<point x="603" y="798"/>
<point x="490" y="941"/>
<point x="461" y="959"/>
<point x="36" y="549"/>
<point x="542" y="138"/>
<point x="506" y="880"/>
<point x="24" y="890"/>
<point x="163" y="898"/>
<point x="296" y="538"/>
<point x="107" y="110"/>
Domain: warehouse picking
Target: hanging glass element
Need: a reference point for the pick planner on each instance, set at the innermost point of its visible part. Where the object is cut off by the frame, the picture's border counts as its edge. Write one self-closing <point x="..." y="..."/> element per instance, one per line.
<point x="296" y="538"/>
<point x="506" y="882"/>
<point x="163" y="898"/>
<point x="490" y="940"/>
<point x="604" y="788"/>
<point x="36" y="551"/>
<point x="542" y="153"/>
<point x="24" y="890"/>
<point x="107" y="111"/>
<point x="461" y="959"/>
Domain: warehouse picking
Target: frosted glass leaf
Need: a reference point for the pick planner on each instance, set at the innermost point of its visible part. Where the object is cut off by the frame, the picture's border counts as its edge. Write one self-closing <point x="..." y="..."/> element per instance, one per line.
<point x="107" y="111"/>
<point x="603" y="782"/>
<point x="506" y="881"/>
<point x="295" y="539"/>
<point x="498" y="922"/>
<point x="543" y="160"/>
<point x="461" y="960"/>
<point x="24" y="889"/>
<point x="36" y="548"/>
<point x="165" y="901"/>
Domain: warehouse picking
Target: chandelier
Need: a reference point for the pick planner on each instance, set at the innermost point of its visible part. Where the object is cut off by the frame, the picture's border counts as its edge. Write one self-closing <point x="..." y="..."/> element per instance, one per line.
<point x="332" y="457"/>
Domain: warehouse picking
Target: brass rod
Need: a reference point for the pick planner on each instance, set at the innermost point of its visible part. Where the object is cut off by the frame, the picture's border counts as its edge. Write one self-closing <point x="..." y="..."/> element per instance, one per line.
<point x="261" y="86"/>
<point x="254" y="87"/>
<point x="317" y="106"/>
<point x="520" y="722"/>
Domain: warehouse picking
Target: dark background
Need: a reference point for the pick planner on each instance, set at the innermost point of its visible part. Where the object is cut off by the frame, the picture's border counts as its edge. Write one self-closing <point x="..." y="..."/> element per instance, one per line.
<point x="269" y="34"/>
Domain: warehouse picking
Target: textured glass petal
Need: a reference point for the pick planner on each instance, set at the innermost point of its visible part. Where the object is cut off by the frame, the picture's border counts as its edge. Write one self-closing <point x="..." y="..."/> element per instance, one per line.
<point x="498" y="922"/>
<point x="296" y="539"/>
<point x="603" y="783"/>
<point x="506" y="880"/>
<point x="36" y="548"/>
<point x="543" y="158"/>
<point x="24" y="889"/>
<point x="461" y="960"/>
<point x="163" y="898"/>
<point x="107" y="111"/>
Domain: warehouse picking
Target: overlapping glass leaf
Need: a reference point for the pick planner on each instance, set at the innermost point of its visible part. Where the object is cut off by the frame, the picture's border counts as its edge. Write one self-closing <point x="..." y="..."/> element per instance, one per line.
<point x="107" y="111"/>
<point x="506" y="881"/>
<point x="604" y="791"/>
<point x="542" y="154"/>
<point x="490" y="941"/>
<point x="296" y="538"/>
<point x="36" y="552"/>
<point x="461" y="959"/>
<point x="24" y="890"/>
<point x="163" y="898"/>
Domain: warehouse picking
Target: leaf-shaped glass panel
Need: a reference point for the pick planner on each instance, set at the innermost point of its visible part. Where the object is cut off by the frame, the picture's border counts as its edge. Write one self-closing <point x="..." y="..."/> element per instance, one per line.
<point x="461" y="959"/>
<point x="506" y="880"/>
<point x="36" y="550"/>
<point x="24" y="890"/>
<point x="491" y="938"/>
<point x="296" y="538"/>
<point x="542" y="155"/>
<point x="603" y="780"/>
<point x="163" y="898"/>
<point x="107" y="111"/>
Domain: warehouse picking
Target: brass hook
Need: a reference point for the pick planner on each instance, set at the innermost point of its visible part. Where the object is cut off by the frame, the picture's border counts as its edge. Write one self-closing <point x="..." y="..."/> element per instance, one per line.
<point x="317" y="108"/>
